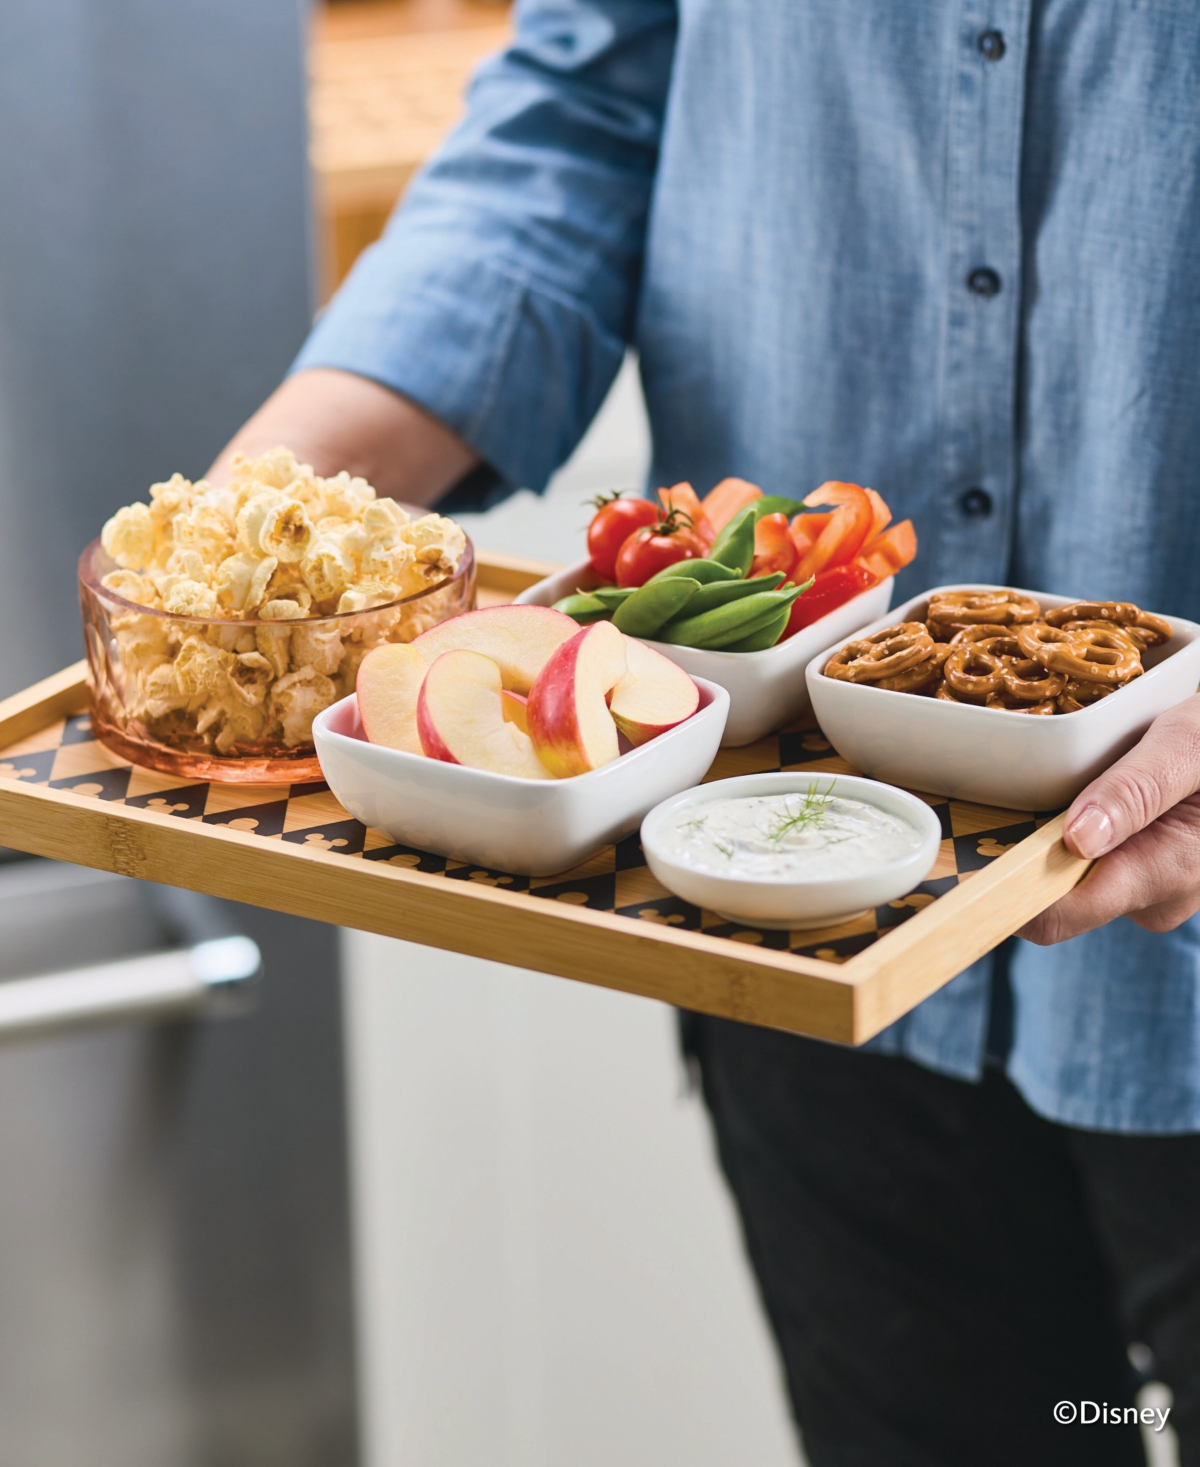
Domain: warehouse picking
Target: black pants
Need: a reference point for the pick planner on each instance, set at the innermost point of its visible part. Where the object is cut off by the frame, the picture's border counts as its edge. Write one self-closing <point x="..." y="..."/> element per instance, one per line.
<point x="941" y="1266"/>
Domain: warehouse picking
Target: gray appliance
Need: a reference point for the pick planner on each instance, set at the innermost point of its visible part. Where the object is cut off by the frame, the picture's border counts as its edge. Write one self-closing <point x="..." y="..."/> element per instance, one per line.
<point x="175" y="1273"/>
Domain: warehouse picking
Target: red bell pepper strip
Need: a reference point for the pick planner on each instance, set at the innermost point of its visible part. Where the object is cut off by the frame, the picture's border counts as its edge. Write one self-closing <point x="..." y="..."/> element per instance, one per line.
<point x="843" y="537"/>
<point x="890" y="552"/>
<point x="831" y="589"/>
<point x="723" y="502"/>
<point x="774" y="549"/>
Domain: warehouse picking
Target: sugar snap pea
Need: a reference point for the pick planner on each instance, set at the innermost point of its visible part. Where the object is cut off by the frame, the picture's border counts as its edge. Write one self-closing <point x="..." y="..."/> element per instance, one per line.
<point x="748" y="628"/>
<point x="703" y="571"/>
<point x="734" y="546"/>
<point x="720" y="593"/>
<point x="731" y="623"/>
<point x="583" y="608"/>
<point x="776" y="504"/>
<point x="765" y="637"/>
<point x="653" y="604"/>
<point x="612" y="596"/>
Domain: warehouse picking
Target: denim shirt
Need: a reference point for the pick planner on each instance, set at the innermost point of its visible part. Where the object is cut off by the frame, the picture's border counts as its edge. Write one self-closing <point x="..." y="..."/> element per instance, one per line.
<point x="948" y="249"/>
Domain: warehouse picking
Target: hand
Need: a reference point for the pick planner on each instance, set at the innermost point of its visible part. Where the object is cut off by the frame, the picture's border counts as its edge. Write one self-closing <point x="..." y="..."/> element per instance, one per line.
<point x="338" y="420"/>
<point x="1142" y="819"/>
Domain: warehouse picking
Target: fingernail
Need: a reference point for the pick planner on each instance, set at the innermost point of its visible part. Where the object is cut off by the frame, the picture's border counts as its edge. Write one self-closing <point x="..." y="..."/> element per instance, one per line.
<point x="1091" y="833"/>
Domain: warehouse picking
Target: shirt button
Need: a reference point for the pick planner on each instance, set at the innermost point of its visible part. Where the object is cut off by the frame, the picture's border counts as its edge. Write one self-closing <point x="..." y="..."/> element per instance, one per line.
<point x="991" y="44"/>
<point x="983" y="281"/>
<point x="976" y="504"/>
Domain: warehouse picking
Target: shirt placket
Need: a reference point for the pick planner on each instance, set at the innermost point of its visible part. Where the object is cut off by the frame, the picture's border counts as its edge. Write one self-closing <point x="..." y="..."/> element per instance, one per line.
<point x="981" y="331"/>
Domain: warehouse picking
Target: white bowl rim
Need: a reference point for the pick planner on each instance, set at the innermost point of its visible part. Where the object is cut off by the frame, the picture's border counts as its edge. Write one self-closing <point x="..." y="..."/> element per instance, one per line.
<point x="927" y="824"/>
<point x="718" y="699"/>
<point x="958" y="710"/>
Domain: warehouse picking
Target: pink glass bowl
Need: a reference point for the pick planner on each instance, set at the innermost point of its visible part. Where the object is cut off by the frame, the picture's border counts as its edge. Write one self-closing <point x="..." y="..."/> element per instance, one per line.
<point x="174" y="694"/>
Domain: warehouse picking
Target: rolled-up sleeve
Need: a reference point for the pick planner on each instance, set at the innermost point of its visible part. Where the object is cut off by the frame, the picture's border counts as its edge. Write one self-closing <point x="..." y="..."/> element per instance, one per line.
<point x="502" y="294"/>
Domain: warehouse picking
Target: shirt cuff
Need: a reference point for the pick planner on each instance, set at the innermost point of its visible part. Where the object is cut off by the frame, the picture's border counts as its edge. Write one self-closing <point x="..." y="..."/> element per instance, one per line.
<point x="515" y="370"/>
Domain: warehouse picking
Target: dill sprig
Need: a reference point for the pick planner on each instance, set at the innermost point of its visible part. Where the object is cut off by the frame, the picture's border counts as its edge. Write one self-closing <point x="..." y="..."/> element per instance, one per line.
<point x="808" y="817"/>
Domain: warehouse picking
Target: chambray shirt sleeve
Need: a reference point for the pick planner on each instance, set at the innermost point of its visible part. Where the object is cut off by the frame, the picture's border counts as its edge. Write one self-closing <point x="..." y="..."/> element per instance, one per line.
<point x="503" y="291"/>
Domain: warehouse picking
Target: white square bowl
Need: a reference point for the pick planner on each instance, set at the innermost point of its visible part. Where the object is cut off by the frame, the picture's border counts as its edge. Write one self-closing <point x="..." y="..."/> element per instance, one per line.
<point x="766" y="689"/>
<point x="988" y="755"/>
<point x="532" y="827"/>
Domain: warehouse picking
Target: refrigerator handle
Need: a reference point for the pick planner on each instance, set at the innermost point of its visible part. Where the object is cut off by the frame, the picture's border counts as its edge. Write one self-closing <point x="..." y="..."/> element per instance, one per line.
<point x="218" y="976"/>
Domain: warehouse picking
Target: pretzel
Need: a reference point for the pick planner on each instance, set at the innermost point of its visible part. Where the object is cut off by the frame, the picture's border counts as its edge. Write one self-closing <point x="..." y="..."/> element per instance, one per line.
<point x="919" y="678"/>
<point x="951" y="610"/>
<point x="995" y="649"/>
<point x="1141" y="637"/>
<point x="870" y="659"/>
<point x="978" y="632"/>
<point x="1146" y="629"/>
<point x="1079" y="695"/>
<point x="1018" y="705"/>
<point x="972" y="674"/>
<point x="1089" y="654"/>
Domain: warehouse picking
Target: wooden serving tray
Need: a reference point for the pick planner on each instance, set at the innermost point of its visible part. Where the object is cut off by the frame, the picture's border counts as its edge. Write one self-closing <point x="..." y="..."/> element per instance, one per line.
<point x="294" y="849"/>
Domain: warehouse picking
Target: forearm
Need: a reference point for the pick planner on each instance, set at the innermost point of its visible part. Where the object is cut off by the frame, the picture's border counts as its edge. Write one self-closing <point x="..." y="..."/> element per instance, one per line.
<point x="336" y="420"/>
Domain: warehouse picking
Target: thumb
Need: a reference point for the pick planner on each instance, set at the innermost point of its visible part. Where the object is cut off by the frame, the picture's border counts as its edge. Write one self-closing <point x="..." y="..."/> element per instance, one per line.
<point x="1155" y="775"/>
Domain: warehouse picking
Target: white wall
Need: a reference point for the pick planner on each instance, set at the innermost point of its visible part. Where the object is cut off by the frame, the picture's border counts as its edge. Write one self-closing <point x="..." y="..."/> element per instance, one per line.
<point x="549" y="1269"/>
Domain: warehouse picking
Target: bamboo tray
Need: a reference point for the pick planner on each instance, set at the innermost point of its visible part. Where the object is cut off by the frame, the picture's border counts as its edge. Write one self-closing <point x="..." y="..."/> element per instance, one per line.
<point x="294" y="849"/>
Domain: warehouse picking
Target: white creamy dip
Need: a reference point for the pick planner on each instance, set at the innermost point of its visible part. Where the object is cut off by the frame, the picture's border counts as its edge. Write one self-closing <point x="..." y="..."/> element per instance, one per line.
<point x="805" y="836"/>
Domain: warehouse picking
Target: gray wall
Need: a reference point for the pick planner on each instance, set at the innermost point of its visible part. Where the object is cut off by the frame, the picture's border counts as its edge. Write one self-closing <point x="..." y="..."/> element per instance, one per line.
<point x="154" y="267"/>
<point x="174" y="1237"/>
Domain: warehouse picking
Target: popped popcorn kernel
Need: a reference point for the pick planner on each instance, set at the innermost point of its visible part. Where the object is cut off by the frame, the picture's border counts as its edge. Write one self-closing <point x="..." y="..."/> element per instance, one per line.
<point x="129" y="537"/>
<point x="256" y="567"/>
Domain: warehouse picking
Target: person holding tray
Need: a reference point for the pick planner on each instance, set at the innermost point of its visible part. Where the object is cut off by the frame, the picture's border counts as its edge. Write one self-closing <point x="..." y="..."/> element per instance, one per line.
<point x="947" y="251"/>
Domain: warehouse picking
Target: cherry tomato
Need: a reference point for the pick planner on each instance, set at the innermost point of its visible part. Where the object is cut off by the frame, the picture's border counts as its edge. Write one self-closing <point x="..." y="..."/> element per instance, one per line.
<point x="774" y="548"/>
<point x="831" y="589"/>
<point x="890" y="552"/>
<point x="612" y="524"/>
<point x="654" y="547"/>
<point x="842" y="538"/>
<point x="682" y="497"/>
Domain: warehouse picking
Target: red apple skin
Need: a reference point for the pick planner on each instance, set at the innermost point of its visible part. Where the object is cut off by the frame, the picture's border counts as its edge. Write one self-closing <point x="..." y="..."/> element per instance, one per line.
<point x="557" y="700"/>
<point x="654" y="695"/>
<point x="518" y="639"/>
<point x="431" y="741"/>
<point x="460" y="718"/>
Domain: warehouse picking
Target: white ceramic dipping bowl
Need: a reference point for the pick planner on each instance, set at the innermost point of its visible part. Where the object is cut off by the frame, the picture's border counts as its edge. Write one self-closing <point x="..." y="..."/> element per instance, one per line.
<point x="988" y="755"/>
<point x="794" y="904"/>
<point x="766" y="689"/>
<point x="533" y="827"/>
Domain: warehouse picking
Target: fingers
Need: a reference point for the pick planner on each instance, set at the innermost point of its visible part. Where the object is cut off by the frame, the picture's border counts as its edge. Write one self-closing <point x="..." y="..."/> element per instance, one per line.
<point x="1161" y="770"/>
<point x="1154" y="877"/>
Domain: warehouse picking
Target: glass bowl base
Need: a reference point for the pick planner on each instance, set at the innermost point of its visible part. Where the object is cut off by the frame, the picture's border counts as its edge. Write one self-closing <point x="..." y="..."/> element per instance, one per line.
<point x="126" y="742"/>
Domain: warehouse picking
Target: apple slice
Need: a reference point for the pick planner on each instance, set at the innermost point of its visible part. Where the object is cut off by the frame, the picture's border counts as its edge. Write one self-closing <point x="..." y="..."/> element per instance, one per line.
<point x="389" y="681"/>
<point x="569" y="722"/>
<point x="653" y="696"/>
<point x="518" y="639"/>
<point x="460" y="719"/>
<point x="515" y="709"/>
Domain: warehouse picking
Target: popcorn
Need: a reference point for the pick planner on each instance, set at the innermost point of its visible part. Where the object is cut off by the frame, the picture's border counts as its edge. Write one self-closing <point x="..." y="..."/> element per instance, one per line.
<point x="241" y="580"/>
<point x="129" y="537"/>
<point x="253" y="565"/>
<point x="297" y="699"/>
<point x="131" y="587"/>
<point x="319" y="647"/>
